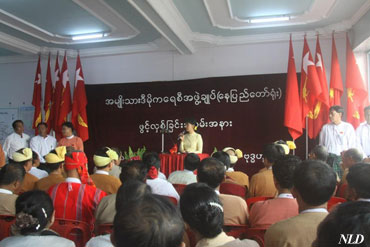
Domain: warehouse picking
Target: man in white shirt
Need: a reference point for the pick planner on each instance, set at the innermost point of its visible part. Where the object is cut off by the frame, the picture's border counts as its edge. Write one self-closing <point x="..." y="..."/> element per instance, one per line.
<point x="43" y="143"/>
<point x="363" y="133"/>
<point x="16" y="140"/>
<point x="337" y="136"/>
<point x="187" y="176"/>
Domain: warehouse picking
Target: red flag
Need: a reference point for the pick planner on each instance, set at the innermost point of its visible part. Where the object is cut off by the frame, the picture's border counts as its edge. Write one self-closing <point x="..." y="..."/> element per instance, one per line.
<point x="320" y="114"/>
<point x="36" y="98"/>
<point x="48" y="97"/>
<point x="293" y="115"/>
<point x="357" y="96"/>
<point x="65" y="102"/>
<point x="310" y="85"/>
<point x="58" y="88"/>
<point x="336" y="84"/>
<point x="79" y="116"/>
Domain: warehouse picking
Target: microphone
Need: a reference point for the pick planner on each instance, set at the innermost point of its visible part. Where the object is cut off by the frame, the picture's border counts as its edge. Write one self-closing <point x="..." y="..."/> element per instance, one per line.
<point x="181" y="134"/>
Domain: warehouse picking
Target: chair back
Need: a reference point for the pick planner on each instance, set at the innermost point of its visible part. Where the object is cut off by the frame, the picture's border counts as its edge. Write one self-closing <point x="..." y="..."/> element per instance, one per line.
<point x="179" y="188"/>
<point x="105" y="229"/>
<point x="334" y="201"/>
<point x="342" y="191"/>
<point x="233" y="189"/>
<point x="250" y="201"/>
<point x="5" y="223"/>
<point x="257" y="234"/>
<point x="236" y="231"/>
<point x="77" y="231"/>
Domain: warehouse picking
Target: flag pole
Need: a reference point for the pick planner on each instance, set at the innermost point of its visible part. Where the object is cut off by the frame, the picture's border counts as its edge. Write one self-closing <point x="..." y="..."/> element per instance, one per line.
<point x="306" y="138"/>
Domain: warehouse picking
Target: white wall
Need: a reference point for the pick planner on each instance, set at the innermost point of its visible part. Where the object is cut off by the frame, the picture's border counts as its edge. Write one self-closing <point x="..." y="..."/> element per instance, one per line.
<point x="16" y="79"/>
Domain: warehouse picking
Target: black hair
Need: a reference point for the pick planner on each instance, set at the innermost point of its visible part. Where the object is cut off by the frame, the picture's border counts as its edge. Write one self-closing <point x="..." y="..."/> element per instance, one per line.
<point x="15" y="123"/>
<point x="133" y="170"/>
<point x="346" y="219"/>
<point x="337" y="108"/>
<point x="103" y="153"/>
<point x="42" y="123"/>
<point x="21" y="162"/>
<point x="358" y="179"/>
<point x="151" y="222"/>
<point x="211" y="171"/>
<point x="223" y="157"/>
<point x="191" y="162"/>
<point x="284" y="169"/>
<point x="321" y="152"/>
<point x="200" y="210"/>
<point x="34" y="210"/>
<point x="367" y="108"/>
<point x="315" y="181"/>
<point x="117" y="150"/>
<point x="272" y="152"/>
<point x="53" y="166"/>
<point x="35" y="156"/>
<point x="152" y="159"/>
<point x="133" y="190"/>
<point x="191" y="121"/>
<point x="68" y="125"/>
<point x="354" y="154"/>
<point x="11" y="173"/>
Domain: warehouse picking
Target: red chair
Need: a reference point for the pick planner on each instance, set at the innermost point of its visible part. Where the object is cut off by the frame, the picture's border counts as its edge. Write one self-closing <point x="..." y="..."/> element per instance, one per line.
<point x="257" y="234"/>
<point x="5" y="223"/>
<point x="236" y="231"/>
<point x="77" y="231"/>
<point x="172" y="199"/>
<point x="233" y="189"/>
<point x="179" y="188"/>
<point x="342" y="191"/>
<point x="334" y="201"/>
<point x="104" y="229"/>
<point x="252" y="200"/>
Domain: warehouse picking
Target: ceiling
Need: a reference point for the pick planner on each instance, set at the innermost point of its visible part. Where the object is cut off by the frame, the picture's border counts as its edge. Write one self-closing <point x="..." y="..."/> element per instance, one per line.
<point x="30" y="27"/>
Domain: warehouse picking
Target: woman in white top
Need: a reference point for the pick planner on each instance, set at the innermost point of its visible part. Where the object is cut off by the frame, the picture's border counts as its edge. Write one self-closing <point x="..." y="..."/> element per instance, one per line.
<point x="34" y="216"/>
<point x="191" y="142"/>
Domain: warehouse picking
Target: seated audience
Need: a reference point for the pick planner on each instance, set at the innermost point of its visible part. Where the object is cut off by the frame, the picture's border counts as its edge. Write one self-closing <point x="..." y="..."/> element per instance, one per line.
<point x="187" y="176"/>
<point x="35" y="163"/>
<point x="104" y="162"/>
<point x="359" y="182"/>
<point x="150" y="222"/>
<point x="69" y="139"/>
<point x="116" y="169"/>
<point x="76" y="198"/>
<point x="319" y="152"/>
<point x="262" y="183"/>
<point x="11" y="177"/>
<point x="35" y="214"/>
<point x="54" y="162"/>
<point x="159" y="186"/>
<point x="132" y="191"/>
<point x="202" y="211"/>
<point x="265" y="213"/>
<point x="133" y="170"/>
<point x="212" y="172"/>
<point x="349" y="158"/>
<point x="347" y="220"/>
<point x="24" y="157"/>
<point x="237" y="176"/>
<point x="314" y="184"/>
<point x="284" y="145"/>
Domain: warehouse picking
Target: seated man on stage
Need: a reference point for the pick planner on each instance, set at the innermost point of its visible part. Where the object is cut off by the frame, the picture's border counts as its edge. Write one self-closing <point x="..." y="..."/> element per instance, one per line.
<point x="191" y="142"/>
<point x="187" y="176"/>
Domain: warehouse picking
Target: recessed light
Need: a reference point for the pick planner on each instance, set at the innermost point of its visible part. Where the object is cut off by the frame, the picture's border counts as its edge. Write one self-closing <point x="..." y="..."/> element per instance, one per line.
<point x="270" y="19"/>
<point x="88" y="36"/>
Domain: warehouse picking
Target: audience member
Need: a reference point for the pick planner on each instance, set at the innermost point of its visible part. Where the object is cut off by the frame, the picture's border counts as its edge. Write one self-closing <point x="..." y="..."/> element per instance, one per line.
<point x="76" y="198"/>
<point x="237" y="176"/>
<point x="359" y="182"/>
<point x="116" y="169"/>
<point x="35" y="214"/>
<point x="202" y="211"/>
<point x="2" y="157"/>
<point x="187" y="176"/>
<point x="24" y="157"/>
<point x="319" y="152"/>
<point x="262" y="183"/>
<point x="11" y="177"/>
<point x="349" y="158"/>
<point x="69" y="139"/>
<point x="17" y="140"/>
<point x="212" y="172"/>
<point x="264" y="214"/>
<point x="35" y="164"/>
<point x="159" y="186"/>
<point x="104" y="162"/>
<point x="160" y="174"/>
<point x="43" y="143"/>
<point x="54" y="162"/>
<point x="314" y="184"/>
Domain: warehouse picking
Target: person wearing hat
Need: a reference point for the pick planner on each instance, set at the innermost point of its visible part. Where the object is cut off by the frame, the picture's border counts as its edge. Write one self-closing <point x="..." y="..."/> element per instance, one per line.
<point x="104" y="161"/>
<point x="24" y="157"/>
<point x="54" y="162"/>
<point x="77" y="197"/>
<point x="237" y="176"/>
<point x="191" y="141"/>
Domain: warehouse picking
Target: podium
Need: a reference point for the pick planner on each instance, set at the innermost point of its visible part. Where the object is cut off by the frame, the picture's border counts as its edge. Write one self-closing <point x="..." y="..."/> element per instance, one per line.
<point x="175" y="162"/>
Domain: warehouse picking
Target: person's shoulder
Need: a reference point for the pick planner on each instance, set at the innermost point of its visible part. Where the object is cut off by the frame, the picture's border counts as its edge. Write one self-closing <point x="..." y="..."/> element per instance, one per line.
<point x="233" y="198"/>
<point x="52" y="138"/>
<point x="26" y="136"/>
<point x="347" y="125"/>
<point x="101" y="241"/>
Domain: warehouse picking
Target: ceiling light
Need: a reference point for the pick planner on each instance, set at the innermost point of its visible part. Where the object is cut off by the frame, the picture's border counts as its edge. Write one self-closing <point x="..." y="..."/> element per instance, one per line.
<point x="87" y="36"/>
<point x="270" y="19"/>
